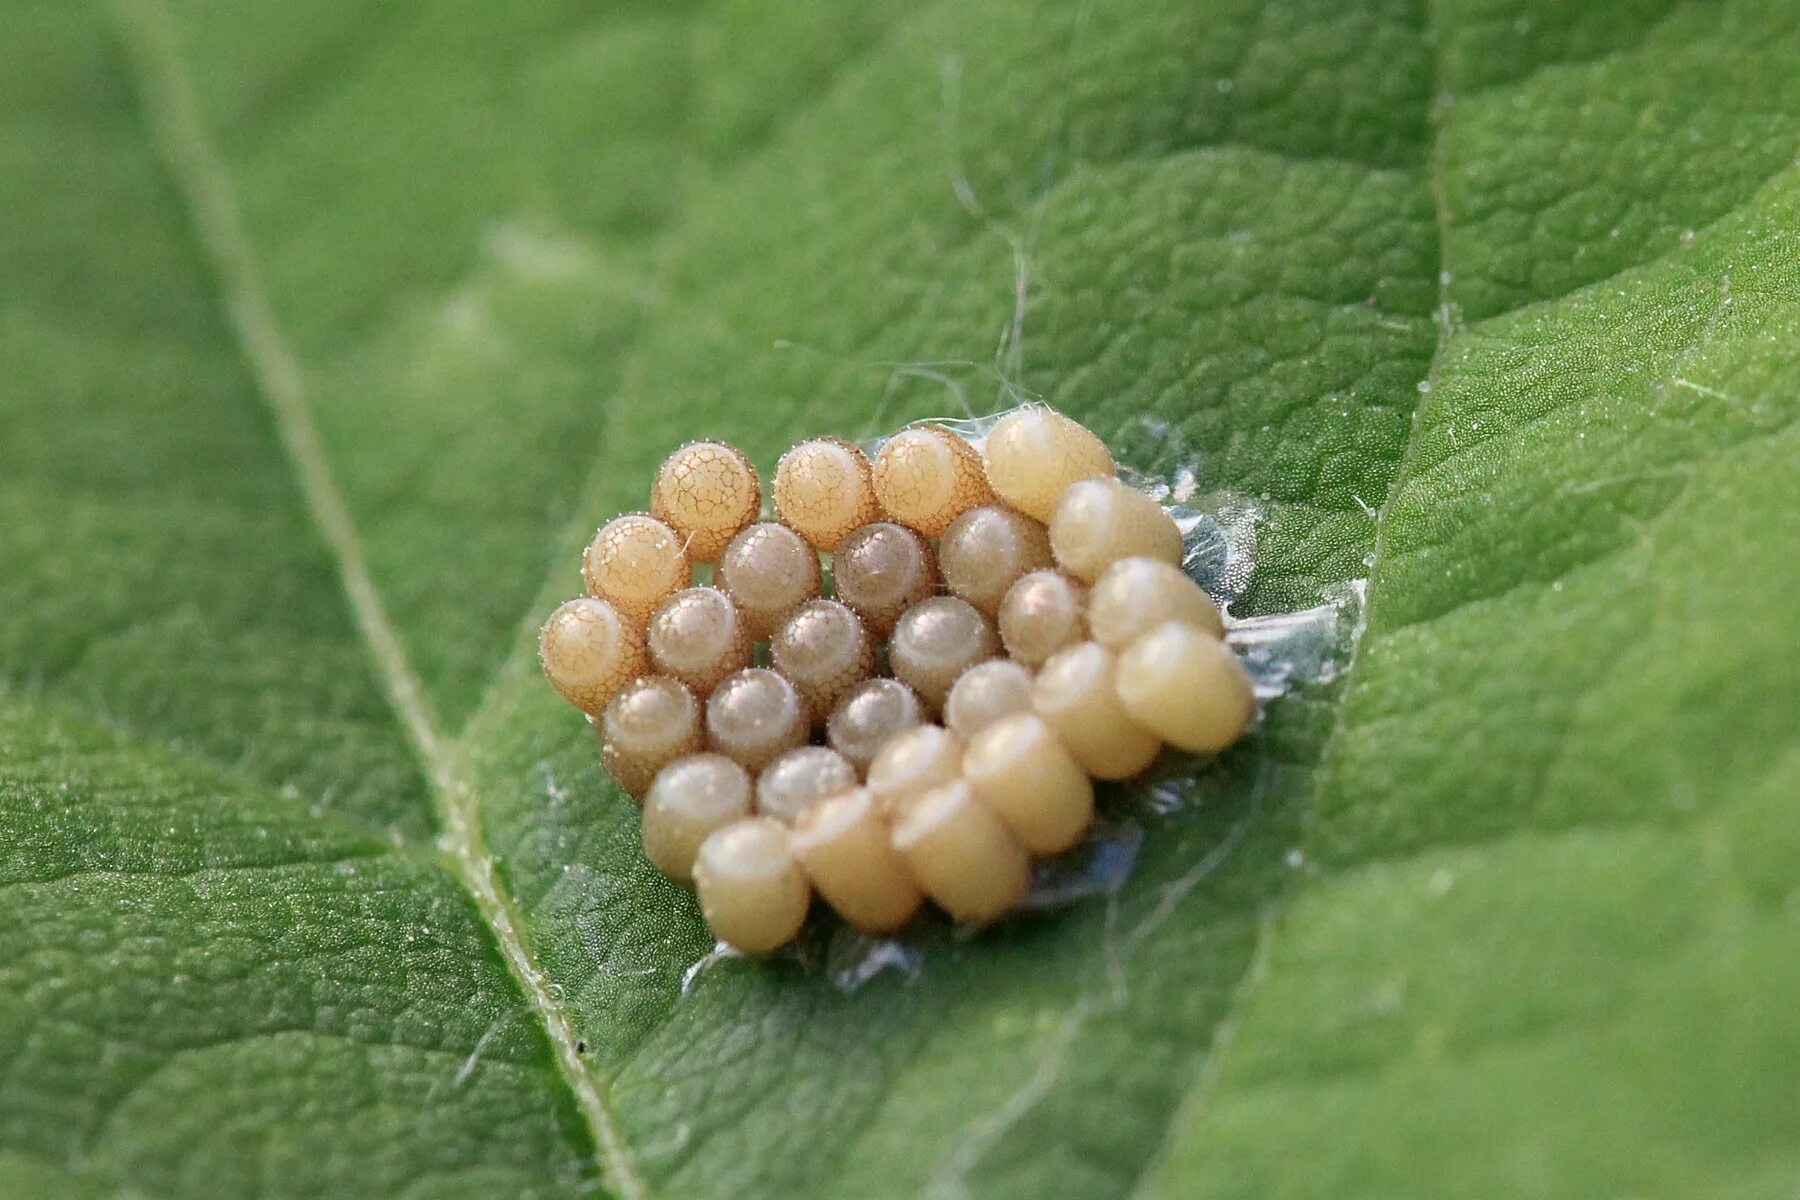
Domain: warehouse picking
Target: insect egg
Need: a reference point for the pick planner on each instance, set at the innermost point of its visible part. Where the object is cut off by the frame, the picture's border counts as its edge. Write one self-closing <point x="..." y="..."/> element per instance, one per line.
<point x="843" y="843"/>
<point x="706" y="492"/>
<point x="986" y="550"/>
<point x="985" y="693"/>
<point x="1019" y="768"/>
<point x="1187" y="687"/>
<point x="752" y="890"/>
<point x="1070" y="648"/>
<point x="872" y="714"/>
<point x="1075" y="694"/>
<point x="825" y="488"/>
<point x="913" y="763"/>
<point x="589" y="653"/>
<point x="1043" y="613"/>
<point x="755" y="715"/>
<point x="1135" y="595"/>
<point x="698" y="637"/>
<point x="689" y="799"/>
<point x="962" y="854"/>
<point x="937" y="640"/>
<point x="824" y="651"/>
<point x="1100" y="521"/>
<point x="634" y="563"/>
<point x="768" y="570"/>
<point x="800" y="779"/>
<point x="927" y="476"/>
<point x="881" y="570"/>
<point x="647" y="726"/>
<point x="1033" y="455"/>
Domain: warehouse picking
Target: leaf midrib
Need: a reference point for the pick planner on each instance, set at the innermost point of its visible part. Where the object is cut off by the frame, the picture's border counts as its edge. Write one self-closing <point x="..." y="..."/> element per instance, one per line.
<point x="178" y="133"/>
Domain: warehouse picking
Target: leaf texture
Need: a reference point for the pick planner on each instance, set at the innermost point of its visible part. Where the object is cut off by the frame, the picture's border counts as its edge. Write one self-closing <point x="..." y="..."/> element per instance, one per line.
<point x="329" y="331"/>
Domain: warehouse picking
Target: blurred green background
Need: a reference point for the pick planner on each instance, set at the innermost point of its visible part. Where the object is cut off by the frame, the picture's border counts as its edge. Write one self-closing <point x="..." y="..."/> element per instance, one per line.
<point x="329" y="330"/>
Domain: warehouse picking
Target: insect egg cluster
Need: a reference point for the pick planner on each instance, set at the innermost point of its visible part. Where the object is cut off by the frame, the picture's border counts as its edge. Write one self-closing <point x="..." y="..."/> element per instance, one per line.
<point x="1003" y="623"/>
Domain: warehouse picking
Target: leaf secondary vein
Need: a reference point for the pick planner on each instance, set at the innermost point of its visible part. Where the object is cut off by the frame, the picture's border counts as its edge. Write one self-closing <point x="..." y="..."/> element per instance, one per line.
<point x="178" y="130"/>
<point x="1193" y="1111"/>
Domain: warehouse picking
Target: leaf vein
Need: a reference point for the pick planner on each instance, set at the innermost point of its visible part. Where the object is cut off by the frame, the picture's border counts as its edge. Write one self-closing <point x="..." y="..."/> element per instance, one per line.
<point x="178" y="131"/>
<point x="1194" y="1109"/>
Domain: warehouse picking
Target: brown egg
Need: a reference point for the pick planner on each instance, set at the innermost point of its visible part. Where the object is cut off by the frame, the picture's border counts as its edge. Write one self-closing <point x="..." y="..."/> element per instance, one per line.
<point x="824" y="651"/>
<point x="706" y="492"/>
<point x="589" y="653"/>
<point x="881" y="570"/>
<point x="926" y="476"/>
<point x="634" y="563"/>
<point x="768" y="570"/>
<point x="1035" y="454"/>
<point x="752" y="890"/>
<point x="824" y="489"/>
<point x="689" y="799"/>
<point x="935" y="641"/>
<point x="754" y="716"/>
<point x="1075" y="694"/>
<point x="1100" y="521"/>
<point x="986" y="550"/>
<point x="869" y="716"/>
<point x="1135" y="595"/>
<point x="844" y="844"/>
<point x="962" y="854"/>
<point x="650" y="724"/>
<point x="1187" y="687"/>
<point x="699" y="637"/>
<point x="1043" y="613"/>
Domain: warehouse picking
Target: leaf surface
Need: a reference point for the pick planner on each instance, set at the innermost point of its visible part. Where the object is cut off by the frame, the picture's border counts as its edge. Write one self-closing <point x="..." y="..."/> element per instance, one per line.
<point x="330" y="330"/>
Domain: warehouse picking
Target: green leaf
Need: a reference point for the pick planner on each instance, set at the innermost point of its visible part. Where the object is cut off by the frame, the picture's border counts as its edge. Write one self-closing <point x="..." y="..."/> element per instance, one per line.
<point x="328" y="331"/>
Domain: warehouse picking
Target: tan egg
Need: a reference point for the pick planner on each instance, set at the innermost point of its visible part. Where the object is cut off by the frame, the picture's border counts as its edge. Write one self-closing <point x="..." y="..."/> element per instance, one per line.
<point x="589" y="653"/>
<point x="845" y="847"/>
<point x="824" y="489"/>
<point x="1135" y="595"/>
<point x="985" y="693"/>
<point x="634" y="563"/>
<point x="935" y="641"/>
<point x="1100" y="521"/>
<point x="688" y="801"/>
<point x="699" y="637"/>
<point x="881" y="570"/>
<point x="1043" y="613"/>
<point x="801" y="778"/>
<point x="647" y="726"/>
<point x="752" y="891"/>
<point x="962" y="854"/>
<point x="754" y="716"/>
<point x="1076" y="696"/>
<point x="926" y="476"/>
<point x="706" y="492"/>
<point x="1035" y="454"/>
<point x="1187" y="687"/>
<point x="869" y="716"/>
<point x="1020" y="769"/>
<point x="824" y="651"/>
<point x="768" y="570"/>
<point x="913" y="763"/>
<point x="986" y="550"/>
